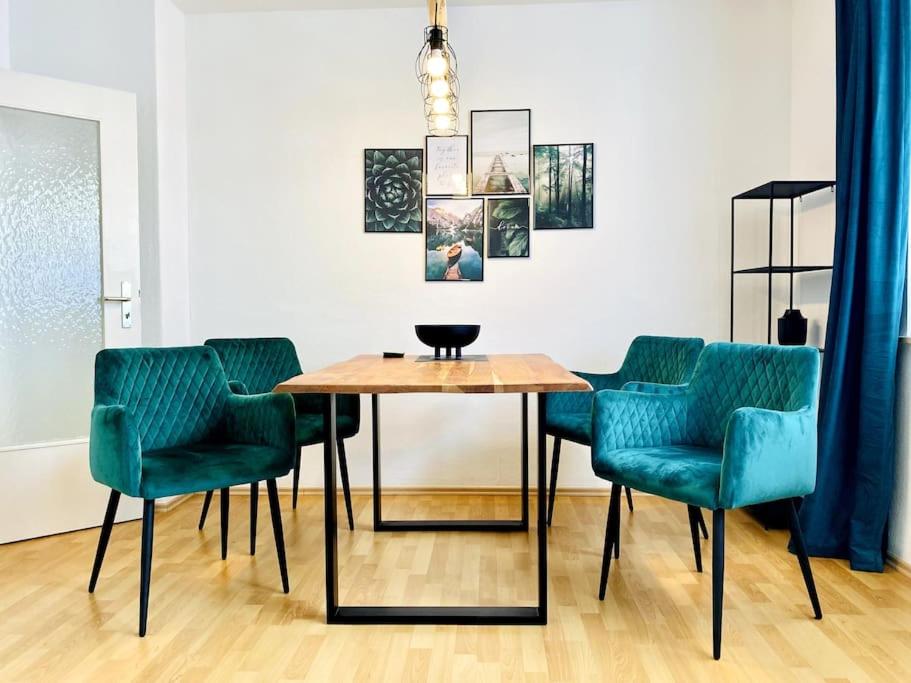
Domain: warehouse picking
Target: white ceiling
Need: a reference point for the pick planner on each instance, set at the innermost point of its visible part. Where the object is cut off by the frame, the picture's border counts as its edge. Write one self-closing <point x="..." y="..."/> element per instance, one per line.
<point x="204" y="6"/>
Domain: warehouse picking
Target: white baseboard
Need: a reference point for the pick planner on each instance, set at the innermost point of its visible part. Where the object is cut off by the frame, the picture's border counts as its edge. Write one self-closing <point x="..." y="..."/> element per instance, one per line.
<point x="901" y="566"/>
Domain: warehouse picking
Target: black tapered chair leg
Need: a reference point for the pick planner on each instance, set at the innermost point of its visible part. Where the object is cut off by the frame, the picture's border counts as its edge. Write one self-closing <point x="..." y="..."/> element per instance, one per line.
<point x="276" y="512"/>
<point x="610" y="536"/>
<point x="297" y="478"/>
<point x="629" y="499"/>
<point x="694" y="516"/>
<point x="106" y="527"/>
<point x="254" y="509"/>
<point x="346" y="488"/>
<point x="717" y="579"/>
<point x="705" y="531"/>
<point x="205" y="510"/>
<point x="145" y="563"/>
<point x="801" y="550"/>
<point x="617" y="537"/>
<point x="225" y="502"/>
<point x="554" y="466"/>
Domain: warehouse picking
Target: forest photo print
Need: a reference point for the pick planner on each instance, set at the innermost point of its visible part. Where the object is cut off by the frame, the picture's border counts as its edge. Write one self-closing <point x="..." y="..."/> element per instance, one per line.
<point x="564" y="186"/>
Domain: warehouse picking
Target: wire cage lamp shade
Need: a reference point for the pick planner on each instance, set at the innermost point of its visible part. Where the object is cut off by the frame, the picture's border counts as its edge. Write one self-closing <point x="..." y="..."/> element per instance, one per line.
<point x="436" y="68"/>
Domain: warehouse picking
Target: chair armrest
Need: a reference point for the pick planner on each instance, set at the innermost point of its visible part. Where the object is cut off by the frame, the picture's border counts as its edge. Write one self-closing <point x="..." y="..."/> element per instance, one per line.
<point x="652" y="388"/>
<point x="237" y="387"/>
<point x="115" y="454"/>
<point x="768" y="455"/>
<point x="581" y="401"/>
<point x="625" y="419"/>
<point x="262" y="419"/>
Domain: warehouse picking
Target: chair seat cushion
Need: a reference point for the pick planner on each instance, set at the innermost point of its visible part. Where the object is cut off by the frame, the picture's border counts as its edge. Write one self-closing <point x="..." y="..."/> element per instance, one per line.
<point x="575" y="427"/>
<point x="207" y="466"/>
<point x="688" y="474"/>
<point x="309" y="428"/>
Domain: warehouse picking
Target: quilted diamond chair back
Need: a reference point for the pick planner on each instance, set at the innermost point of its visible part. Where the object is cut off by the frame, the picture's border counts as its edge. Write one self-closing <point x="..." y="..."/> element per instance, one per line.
<point x="662" y="360"/>
<point x="731" y="376"/>
<point x="175" y="395"/>
<point x="259" y="363"/>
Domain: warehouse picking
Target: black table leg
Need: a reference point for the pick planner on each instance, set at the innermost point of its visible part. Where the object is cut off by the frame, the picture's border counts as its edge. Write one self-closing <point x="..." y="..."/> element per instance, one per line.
<point x="380" y="524"/>
<point x="331" y="505"/>
<point x="409" y="614"/>
<point x="542" y="504"/>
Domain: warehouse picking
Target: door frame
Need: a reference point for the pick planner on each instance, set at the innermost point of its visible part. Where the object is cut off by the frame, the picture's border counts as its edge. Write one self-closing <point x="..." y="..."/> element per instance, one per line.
<point x="53" y="490"/>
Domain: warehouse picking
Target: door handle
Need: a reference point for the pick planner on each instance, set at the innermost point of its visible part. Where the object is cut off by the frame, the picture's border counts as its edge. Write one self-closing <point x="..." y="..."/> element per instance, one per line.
<point x="126" y="304"/>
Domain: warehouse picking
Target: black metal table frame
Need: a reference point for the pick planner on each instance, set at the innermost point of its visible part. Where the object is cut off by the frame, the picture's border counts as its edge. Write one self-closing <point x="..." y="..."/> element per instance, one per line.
<point x="410" y="614"/>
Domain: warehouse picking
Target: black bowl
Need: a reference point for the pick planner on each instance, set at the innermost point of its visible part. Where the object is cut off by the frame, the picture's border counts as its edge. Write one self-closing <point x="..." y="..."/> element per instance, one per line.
<point x="448" y="336"/>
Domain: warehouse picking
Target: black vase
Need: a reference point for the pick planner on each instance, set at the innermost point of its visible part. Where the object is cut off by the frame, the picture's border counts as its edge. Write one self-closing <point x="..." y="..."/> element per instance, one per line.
<point x="792" y="328"/>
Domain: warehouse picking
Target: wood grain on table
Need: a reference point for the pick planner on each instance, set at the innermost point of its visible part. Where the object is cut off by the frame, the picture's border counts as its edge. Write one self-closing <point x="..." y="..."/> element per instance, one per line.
<point x="497" y="373"/>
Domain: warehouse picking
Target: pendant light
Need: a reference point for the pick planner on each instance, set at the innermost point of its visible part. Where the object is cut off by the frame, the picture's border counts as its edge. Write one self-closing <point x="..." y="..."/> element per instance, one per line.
<point x="436" y="70"/>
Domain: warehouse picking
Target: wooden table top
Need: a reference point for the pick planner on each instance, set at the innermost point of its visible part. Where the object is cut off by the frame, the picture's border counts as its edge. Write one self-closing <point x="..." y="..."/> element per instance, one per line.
<point x="503" y="373"/>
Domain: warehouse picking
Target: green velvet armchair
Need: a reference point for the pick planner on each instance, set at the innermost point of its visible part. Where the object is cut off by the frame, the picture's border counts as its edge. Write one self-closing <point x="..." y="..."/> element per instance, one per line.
<point x="743" y="432"/>
<point x="662" y="360"/>
<point x="165" y="423"/>
<point x="255" y="366"/>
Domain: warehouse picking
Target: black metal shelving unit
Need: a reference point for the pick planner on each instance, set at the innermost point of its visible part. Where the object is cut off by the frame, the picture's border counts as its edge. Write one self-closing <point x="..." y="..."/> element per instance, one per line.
<point x="772" y="190"/>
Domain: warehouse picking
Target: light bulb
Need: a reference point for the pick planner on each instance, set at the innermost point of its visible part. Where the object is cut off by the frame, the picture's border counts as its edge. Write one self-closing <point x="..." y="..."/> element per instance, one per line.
<point x="441" y="122"/>
<point x="437" y="65"/>
<point x="440" y="106"/>
<point x="439" y="87"/>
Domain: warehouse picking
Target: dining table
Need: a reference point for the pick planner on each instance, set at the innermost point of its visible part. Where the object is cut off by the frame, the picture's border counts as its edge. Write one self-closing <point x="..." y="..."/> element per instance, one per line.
<point x="375" y="375"/>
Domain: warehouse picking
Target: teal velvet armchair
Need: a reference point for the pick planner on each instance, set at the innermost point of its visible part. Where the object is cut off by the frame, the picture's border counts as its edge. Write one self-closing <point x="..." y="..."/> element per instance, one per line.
<point x="743" y="432"/>
<point x="255" y="366"/>
<point x="661" y="360"/>
<point x="165" y="423"/>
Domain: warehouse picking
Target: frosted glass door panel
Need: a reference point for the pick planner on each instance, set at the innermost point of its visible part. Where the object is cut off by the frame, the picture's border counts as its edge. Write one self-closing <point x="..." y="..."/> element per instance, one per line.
<point x="50" y="275"/>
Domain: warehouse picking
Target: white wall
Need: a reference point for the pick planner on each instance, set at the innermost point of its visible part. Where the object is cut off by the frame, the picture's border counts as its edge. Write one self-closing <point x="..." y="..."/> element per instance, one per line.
<point x="813" y="152"/>
<point x="687" y="103"/>
<point x="173" y="210"/>
<point x="111" y="44"/>
<point x="900" y="520"/>
<point x="4" y="34"/>
<point x="124" y="45"/>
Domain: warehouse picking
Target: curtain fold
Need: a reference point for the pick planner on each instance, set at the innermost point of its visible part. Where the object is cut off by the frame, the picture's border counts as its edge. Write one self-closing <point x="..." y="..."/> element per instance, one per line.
<point x="847" y="515"/>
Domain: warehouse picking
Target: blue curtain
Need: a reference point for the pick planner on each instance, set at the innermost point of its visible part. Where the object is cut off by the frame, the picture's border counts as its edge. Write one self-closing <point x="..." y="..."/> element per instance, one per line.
<point x="847" y="516"/>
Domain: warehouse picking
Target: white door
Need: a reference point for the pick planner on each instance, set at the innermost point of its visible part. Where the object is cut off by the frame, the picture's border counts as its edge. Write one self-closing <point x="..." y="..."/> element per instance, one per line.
<point x="69" y="242"/>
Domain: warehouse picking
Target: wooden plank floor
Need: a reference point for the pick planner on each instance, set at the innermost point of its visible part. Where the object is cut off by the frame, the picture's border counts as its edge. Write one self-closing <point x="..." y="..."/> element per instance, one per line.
<point x="214" y="620"/>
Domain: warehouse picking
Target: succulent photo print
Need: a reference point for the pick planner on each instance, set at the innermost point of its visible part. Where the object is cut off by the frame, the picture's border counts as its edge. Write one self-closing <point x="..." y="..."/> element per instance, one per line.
<point x="393" y="190"/>
<point x="508" y="227"/>
<point x="455" y="240"/>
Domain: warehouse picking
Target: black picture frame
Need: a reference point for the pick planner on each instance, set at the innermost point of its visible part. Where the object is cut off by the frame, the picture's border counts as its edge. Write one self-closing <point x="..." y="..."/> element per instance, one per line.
<point x="591" y="195"/>
<point x="430" y="233"/>
<point x="467" y="175"/>
<point x="491" y="205"/>
<point x="412" y="192"/>
<point x="473" y="141"/>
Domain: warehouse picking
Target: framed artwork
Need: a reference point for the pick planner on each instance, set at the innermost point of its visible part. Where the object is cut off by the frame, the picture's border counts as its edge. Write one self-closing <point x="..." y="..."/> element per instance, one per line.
<point x="393" y="190"/>
<point x="447" y="165"/>
<point x="564" y="186"/>
<point x="508" y="227"/>
<point x="501" y="151"/>
<point x="455" y="240"/>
